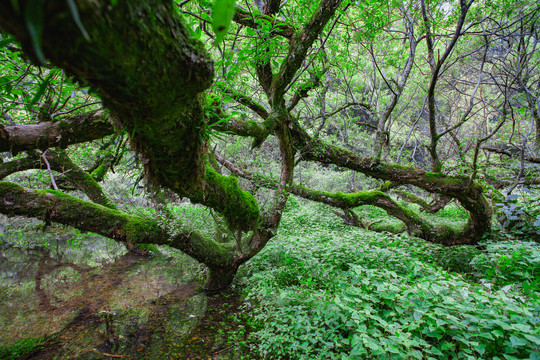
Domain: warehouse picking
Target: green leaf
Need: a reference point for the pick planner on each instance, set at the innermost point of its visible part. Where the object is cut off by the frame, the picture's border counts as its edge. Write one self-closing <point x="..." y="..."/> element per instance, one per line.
<point x="517" y="341"/>
<point x="33" y="17"/>
<point x="8" y="40"/>
<point x="77" y="18"/>
<point x="222" y="14"/>
<point x="41" y="90"/>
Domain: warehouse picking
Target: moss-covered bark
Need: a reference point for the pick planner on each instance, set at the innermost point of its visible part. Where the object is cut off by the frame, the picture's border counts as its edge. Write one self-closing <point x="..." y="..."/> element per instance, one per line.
<point x="220" y="278"/>
<point x="223" y="194"/>
<point x="416" y="225"/>
<point x="65" y="209"/>
<point x="60" y="162"/>
<point x="140" y="59"/>
<point x="470" y="194"/>
<point x="431" y="208"/>
<point x="142" y="62"/>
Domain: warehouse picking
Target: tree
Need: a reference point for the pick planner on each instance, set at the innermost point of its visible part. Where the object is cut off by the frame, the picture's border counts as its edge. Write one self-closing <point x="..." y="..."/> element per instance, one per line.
<point x="150" y="70"/>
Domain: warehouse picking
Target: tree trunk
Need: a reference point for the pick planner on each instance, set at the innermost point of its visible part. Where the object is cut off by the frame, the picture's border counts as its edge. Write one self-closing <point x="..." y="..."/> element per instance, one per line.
<point x="219" y="278"/>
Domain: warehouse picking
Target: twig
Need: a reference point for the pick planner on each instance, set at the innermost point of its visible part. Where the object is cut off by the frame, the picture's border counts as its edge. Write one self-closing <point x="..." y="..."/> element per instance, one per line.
<point x="109" y="355"/>
<point x="44" y="157"/>
<point x="227" y="348"/>
<point x="74" y="109"/>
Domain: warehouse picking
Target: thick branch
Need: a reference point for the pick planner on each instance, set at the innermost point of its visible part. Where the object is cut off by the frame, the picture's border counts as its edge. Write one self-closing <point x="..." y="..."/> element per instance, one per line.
<point x="432" y="208"/>
<point x="416" y="226"/>
<point x="468" y="193"/>
<point x="300" y="45"/>
<point x="248" y="19"/>
<point x="246" y="128"/>
<point x="148" y="71"/>
<point x="61" y="163"/>
<point x="61" y="133"/>
<point x="144" y="65"/>
<point x="83" y="215"/>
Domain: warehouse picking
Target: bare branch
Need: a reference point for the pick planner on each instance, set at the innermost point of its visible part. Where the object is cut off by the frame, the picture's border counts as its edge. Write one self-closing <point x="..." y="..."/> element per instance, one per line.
<point x="61" y="133"/>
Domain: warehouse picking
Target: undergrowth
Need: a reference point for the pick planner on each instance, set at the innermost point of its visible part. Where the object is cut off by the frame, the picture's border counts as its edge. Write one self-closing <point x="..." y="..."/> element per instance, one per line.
<point x="322" y="290"/>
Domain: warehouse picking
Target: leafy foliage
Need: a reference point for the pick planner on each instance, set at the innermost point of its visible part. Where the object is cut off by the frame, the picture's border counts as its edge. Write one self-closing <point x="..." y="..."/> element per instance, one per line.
<point x="521" y="214"/>
<point x="338" y="292"/>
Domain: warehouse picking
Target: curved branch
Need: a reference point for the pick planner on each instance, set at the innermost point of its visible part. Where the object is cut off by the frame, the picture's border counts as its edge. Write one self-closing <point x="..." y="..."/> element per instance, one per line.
<point x="304" y="89"/>
<point x="86" y="216"/>
<point x="300" y="45"/>
<point x="250" y="20"/>
<point x="432" y="208"/>
<point x="246" y="101"/>
<point x="468" y="193"/>
<point x="145" y="67"/>
<point x="509" y="153"/>
<point x="60" y="162"/>
<point x="148" y="71"/>
<point x="416" y="225"/>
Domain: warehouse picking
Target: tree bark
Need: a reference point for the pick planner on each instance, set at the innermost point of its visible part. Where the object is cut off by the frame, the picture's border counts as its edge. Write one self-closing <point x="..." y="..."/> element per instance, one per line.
<point x="143" y="64"/>
<point x="219" y="278"/>
<point x="469" y="194"/>
<point x="59" y="133"/>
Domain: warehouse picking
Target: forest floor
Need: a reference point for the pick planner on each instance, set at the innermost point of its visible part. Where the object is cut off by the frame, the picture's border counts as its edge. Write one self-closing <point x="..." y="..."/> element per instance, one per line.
<point x="319" y="290"/>
<point x="80" y="296"/>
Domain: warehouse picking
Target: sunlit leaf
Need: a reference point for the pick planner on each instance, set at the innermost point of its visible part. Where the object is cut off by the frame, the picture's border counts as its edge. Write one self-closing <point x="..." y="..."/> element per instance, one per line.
<point x="222" y="14"/>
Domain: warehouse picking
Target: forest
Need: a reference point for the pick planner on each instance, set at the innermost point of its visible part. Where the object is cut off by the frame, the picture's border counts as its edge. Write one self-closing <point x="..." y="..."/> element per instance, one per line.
<point x="270" y="179"/>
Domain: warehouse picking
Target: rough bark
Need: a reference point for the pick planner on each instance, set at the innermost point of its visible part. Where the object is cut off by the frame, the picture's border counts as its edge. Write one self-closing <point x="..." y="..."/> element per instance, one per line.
<point x="144" y="66"/>
<point x="416" y="225"/>
<point x="149" y="72"/>
<point x="299" y="47"/>
<point x="60" y="133"/>
<point x="248" y="19"/>
<point x="430" y="208"/>
<point x="220" y="278"/>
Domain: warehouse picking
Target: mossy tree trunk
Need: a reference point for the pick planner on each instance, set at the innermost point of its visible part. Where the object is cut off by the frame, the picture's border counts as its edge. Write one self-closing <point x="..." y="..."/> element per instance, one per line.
<point x="60" y="162"/>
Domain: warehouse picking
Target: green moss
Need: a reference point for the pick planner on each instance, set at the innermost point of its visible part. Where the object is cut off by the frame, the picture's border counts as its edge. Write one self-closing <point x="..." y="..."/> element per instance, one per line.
<point x="223" y="194"/>
<point x="149" y="247"/>
<point x="137" y="229"/>
<point x="358" y="198"/>
<point x="436" y="176"/>
<point x="87" y="216"/>
<point x="20" y="348"/>
<point x="385" y="186"/>
<point x="99" y="173"/>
